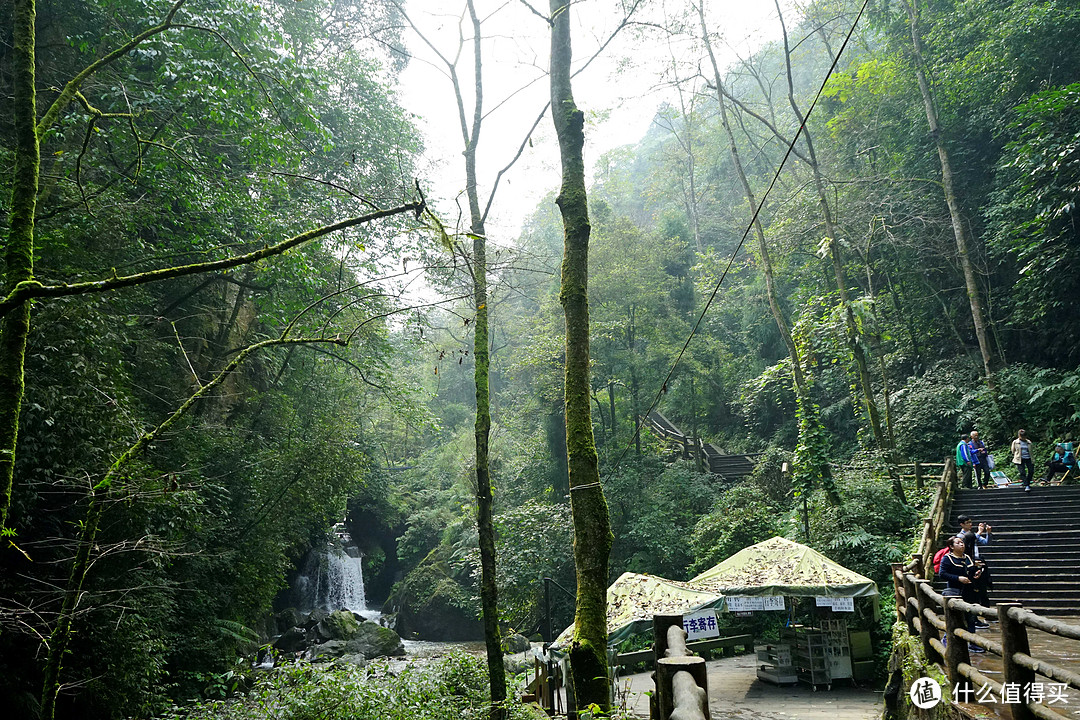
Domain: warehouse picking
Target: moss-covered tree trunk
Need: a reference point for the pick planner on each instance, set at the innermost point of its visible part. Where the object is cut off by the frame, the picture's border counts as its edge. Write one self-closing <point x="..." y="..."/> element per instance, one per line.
<point x="19" y="253"/>
<point x="489" y="594"/>
<point x="862" y="369"/>
<point x="592" y="526"/>
<point x="963" y="249"/>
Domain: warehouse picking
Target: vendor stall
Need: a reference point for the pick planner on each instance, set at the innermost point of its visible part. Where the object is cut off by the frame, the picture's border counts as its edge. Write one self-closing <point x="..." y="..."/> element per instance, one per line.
<point x="633" y="599"/>
<point x="768" y="572"/>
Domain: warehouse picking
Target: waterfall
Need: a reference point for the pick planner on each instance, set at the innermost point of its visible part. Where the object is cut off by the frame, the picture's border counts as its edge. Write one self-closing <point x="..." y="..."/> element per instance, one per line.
<point x="332" y="579"/>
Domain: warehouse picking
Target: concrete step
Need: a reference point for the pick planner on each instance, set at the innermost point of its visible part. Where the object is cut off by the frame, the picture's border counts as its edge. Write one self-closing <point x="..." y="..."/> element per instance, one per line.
<point x="1052" y="611"/>
<point x="1017" y="508"/>
<point x="1034" y="553"/>
<point x="1029" y="555"/>
<point x="1062" y="567"/>
<point x="1031" y="597"/>
<point x="1032" y="516"/>
<point x="1023" y="578"/>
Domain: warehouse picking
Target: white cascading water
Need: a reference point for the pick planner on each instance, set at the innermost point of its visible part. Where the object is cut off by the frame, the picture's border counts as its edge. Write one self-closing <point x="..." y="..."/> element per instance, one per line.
<point x="334" y="579"/>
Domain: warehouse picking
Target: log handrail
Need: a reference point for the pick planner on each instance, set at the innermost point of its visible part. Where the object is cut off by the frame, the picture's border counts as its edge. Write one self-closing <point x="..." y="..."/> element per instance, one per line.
<point x="927" y="613"/>
<point x="932" y="526"/>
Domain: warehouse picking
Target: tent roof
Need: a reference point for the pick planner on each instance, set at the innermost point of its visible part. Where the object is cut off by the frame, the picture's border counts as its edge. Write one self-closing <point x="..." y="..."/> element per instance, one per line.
<point x="633" y="599"/>
<point x="782" y="567"/>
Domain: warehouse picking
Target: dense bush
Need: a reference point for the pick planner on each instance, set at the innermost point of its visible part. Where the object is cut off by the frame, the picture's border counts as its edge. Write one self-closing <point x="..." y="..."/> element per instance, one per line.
<point x="741" y="517"/>
<point x="452" y="688"/>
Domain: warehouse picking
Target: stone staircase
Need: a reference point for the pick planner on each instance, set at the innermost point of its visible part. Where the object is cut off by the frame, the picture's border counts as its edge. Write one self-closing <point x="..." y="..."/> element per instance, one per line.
<point x="1034" y="554"/>
<point x="731" y="467"/>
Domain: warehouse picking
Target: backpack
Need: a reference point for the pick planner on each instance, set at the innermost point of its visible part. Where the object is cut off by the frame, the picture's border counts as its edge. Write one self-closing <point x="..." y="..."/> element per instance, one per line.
<point x="937" y="558"/>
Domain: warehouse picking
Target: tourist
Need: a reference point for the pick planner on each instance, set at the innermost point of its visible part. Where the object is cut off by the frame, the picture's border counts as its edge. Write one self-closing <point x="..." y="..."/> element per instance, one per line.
<point x="979" y="459"/>
<point x="960" y="573"/>
<point x="1021" y="457"/>
<point x="961" y="459"/>
<point x="972" y="541"/>
<point x="1060" y="462"/>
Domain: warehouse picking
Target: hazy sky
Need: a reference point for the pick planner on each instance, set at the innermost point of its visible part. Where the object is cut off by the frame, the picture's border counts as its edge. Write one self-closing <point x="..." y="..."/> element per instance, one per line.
<point x="619" y="91"/>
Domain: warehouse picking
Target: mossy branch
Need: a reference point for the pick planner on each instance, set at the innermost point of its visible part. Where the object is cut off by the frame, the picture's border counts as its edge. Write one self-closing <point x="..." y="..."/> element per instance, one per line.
<point x="32" y="289"/>
<point x="70" y="90"/>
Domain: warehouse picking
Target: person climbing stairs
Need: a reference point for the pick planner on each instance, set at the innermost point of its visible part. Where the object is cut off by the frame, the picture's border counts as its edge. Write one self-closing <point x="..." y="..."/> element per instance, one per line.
<point x="1035" y="549"/>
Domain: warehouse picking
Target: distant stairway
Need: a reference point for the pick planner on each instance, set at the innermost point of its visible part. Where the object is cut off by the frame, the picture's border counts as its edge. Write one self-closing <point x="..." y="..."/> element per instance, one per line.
<point x="1034" y="554"/>
<point x="731" y="467"/>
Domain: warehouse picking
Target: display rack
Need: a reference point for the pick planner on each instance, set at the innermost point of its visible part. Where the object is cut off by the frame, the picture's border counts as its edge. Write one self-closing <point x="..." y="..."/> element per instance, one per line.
<point x="837" y="648"/>
<point x="775" y="665"/>
<point x="810" y="660"/>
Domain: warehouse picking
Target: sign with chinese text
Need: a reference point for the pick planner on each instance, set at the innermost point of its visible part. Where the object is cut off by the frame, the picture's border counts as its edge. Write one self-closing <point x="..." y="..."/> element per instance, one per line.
<point x="747" y="604"/>
<point x="837" y="604"/>
<point x="701" y="625"/>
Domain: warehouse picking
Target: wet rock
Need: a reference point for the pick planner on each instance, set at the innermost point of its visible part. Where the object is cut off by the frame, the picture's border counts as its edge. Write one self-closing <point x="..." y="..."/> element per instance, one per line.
<point x="516" y="663"/>
<point x="315" y="617"/>
<point x="374" y="641"/>
<point x="338" y="625"/>
<point x="351" y="659"/>
<point x="287" y="618"/>
<point x="432" y="605"/>
<point x="516" y="643"/>
<point x="291" y="640"/>
<point x="327" y="651"/>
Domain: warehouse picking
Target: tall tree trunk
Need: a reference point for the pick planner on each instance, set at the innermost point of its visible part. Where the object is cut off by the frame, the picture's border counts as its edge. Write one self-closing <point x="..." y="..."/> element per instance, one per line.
<point x="951" y="199"/>
<point x="861" y="364"/>
<point x="20" y="244"/>
<point x="485" y="526"/>
<point x="592" y="525"/>
<point x="763" y="248"/>
<point x="611" y="409"/>
<point x="811" y="431"/>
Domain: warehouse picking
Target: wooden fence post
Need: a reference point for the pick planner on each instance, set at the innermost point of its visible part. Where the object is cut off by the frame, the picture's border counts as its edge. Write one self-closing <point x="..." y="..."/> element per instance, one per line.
<point x="666" y="669"/>
<point x="1014" y="639"/>
<point x="910" y="593"/>
<point x="918" y="476"/>
<point x="660" y="625"/>
<point x="956" y="649"/>
<point x="898" y="592"/>
<point x="917" y="558"/>
<point x="926" y="630"/>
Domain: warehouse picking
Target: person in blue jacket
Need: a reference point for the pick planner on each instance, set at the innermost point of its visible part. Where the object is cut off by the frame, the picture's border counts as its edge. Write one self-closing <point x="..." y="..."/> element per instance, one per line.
<point x="1062" y="461"/>
<point x="977" y="456"/>
<point x="961" y="459"/>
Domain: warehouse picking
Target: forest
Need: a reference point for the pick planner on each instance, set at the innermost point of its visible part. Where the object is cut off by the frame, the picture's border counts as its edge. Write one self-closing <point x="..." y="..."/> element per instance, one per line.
<point x="240" y="305"/>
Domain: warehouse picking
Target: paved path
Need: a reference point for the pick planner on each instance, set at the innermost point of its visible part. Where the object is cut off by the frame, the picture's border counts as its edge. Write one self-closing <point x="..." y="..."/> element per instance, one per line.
<point x="735" y="692"/>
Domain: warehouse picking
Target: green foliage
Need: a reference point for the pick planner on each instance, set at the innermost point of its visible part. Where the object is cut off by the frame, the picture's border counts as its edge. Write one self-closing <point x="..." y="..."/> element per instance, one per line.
<point x="1033" y="220"/>
<point x="867" y="531"/>
<point x="452" y="688"/>
<point x="654" y="508"/>
<point x="740" y="517"/>
<point x="534" y="541"/>
<point x="932" y="410"/>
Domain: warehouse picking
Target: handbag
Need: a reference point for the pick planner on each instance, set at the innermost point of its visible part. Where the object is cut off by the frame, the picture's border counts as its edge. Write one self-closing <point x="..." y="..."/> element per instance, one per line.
<point x="989" y="461"/>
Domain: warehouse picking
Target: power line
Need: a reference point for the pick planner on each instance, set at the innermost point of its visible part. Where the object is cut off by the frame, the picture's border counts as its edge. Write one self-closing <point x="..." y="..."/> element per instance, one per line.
<point x="742" y="241"/>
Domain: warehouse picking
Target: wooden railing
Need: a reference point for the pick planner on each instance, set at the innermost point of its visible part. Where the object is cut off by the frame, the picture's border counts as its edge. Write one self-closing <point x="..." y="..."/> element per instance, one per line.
<point x="927" y="614"/>
<point x="919" y="471"/>
<point x="934" y="523"/>
<point x="688" y="447"/>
